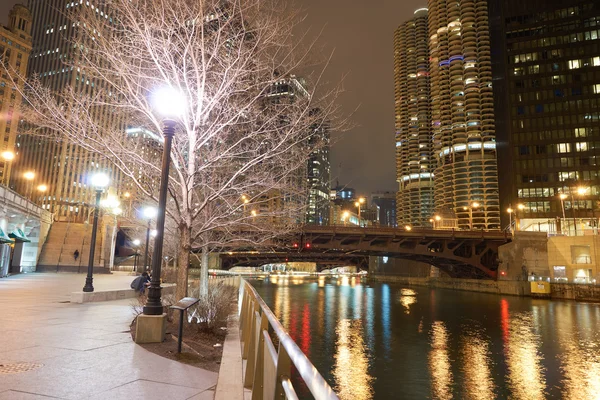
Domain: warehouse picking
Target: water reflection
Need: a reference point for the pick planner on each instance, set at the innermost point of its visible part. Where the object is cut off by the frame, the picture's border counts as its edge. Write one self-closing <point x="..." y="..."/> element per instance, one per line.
<point x="525" y="372"/>
<point x="439" y="362"/>
<point x="408" y="297"/>
<point x="382" y="341"/>
<point x="351" y="362"/>
<point x="475" y="353"/>
<point x="580" y="360"/>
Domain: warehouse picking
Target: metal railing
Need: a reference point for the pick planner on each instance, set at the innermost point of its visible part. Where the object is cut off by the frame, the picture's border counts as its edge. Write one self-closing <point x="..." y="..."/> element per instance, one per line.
<point x="268" y="370"/>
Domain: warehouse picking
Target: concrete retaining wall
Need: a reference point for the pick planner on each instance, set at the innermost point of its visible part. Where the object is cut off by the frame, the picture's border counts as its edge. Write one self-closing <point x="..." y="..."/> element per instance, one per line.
<point x="515" y="288"/>
<point x="559" y="291"/>
<point x="115" y="294"/>
<point x="576" y="292"/>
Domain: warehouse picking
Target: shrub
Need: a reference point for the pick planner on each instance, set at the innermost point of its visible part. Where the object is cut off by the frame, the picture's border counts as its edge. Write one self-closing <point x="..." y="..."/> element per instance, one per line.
<point x="212" y="310"/>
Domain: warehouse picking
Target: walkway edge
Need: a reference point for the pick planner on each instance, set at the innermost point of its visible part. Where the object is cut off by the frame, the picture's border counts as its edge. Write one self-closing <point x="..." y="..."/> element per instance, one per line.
<point x="230" y="384"/>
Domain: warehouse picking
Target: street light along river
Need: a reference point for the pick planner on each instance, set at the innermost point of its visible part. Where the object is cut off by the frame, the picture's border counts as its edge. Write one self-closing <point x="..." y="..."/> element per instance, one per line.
<point x="387" y="341"/>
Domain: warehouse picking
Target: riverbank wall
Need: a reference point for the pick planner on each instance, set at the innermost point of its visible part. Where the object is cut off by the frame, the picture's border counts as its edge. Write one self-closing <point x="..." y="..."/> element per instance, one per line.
<point x="558" y="291"/>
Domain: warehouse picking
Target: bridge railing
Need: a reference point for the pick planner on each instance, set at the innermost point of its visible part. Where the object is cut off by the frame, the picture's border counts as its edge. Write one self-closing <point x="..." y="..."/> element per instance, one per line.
<point x="268" y="368"/>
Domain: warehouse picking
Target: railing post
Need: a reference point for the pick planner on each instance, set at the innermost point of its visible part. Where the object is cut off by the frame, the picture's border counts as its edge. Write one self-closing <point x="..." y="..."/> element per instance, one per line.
<point x="259" y="363"/>
<point x="250" y="350"/>
<point x="284" y="367"/>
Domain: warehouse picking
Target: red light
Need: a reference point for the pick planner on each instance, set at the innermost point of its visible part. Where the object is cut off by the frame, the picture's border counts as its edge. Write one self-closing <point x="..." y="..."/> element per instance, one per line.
<point x="502" y="273"/>
<point x="295" y="245"/>
<point x="308" y="245"/>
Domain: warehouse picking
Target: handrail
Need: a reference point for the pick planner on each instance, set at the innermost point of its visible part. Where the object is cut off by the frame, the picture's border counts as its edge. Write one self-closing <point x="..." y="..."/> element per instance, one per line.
<point x="267" y="370"/>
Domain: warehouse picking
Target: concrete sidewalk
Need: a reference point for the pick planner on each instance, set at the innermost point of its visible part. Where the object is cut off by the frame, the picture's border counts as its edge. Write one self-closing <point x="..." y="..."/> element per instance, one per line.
<point x="50" y="348"/>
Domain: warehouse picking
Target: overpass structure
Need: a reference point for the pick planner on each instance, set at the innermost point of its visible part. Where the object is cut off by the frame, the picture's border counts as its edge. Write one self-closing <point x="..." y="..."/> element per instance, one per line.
<point x="461" y="254"/>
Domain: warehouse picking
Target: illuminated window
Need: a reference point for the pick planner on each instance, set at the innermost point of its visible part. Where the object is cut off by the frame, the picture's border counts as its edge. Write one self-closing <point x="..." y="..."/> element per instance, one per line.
<point x="574" y="64"/>
<point x="563" y="147"/>
<point x="581" y="146"/>
<point x="596" y="61"/>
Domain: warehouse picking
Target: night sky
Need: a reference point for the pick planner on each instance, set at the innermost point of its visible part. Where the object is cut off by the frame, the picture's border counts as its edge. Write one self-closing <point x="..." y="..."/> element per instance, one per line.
<point x="360" y="34"/>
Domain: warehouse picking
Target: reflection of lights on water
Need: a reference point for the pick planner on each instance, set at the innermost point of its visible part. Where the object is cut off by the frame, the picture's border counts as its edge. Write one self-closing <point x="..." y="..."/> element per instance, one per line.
<point x="351" y="362"/>
<point x="439" y="362"/>
<point x="476" y="366"/>
<point x="344" y="281"/>
<point x="406" y="302"/>
<point x="525" y="373"/>
<point x="407" y="298"/>
<point x="321" y="281"/>
<point x="580" y="357"/>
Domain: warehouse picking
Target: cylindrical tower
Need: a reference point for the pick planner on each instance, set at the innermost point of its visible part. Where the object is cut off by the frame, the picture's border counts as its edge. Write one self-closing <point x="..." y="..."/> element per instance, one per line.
<point x="462" y="114"/>
<point x="414" y="163"/>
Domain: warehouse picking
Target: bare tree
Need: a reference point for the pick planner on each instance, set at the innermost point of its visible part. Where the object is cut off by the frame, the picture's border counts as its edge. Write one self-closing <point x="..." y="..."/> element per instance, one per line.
<point x="244" y="135"/>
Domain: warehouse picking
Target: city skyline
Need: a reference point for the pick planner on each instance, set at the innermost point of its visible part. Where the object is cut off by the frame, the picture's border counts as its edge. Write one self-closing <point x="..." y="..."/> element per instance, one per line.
<point x="364" y="157"/>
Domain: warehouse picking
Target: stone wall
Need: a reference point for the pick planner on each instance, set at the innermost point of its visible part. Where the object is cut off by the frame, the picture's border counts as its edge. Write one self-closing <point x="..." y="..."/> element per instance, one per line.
<point x="576" y="292"/>
<point x="527" y="253"/>
<point x="515" y="288"/>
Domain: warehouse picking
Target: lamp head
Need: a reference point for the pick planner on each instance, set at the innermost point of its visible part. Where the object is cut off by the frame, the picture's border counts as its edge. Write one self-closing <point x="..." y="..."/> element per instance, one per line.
<point x="509" y="210"/>
<point x="153" y="232"/>
<point x="521" y="206"/>
<point x="361" y="200"/>
<point x="136" y="242"/>
<point x="29" y="175"/>
<point x="8" y="155"/>
<point x="356" y="204"/>
<point x="475" y="204"/>
<point x="408" y="227"/>
<point x="581" y="190"/>
<point x="438" y="218"/>
<point x="169" y="102"/>
<point x="42" y="188"/>
<point x="150" y="212"/>
<point x="100" y="180"/>
<point x="563" y="196"/>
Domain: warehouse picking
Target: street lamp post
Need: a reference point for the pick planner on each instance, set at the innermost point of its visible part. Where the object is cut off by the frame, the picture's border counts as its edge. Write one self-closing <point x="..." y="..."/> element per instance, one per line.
<point x="357" y="204"/>
<point x="562" y="198"/>
<point x="520" y="207"/>
<point x="7" y="156"/>
<point x="170" y="103"/>
<point x="29" y="176"/>
<point x="149" y="213"/>
<point x="510" y="211"/>
<point x="136" y="243"/>
<point x="99" y="181"/>
<point x="470" y="208"/>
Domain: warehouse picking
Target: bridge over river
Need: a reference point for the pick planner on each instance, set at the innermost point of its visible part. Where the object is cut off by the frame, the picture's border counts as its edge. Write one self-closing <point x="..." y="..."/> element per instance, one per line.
<point x="461" y="254"/>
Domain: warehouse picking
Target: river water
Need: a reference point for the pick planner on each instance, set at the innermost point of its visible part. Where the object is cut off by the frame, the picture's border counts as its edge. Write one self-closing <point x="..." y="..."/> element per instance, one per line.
<point x="387" y="341"/>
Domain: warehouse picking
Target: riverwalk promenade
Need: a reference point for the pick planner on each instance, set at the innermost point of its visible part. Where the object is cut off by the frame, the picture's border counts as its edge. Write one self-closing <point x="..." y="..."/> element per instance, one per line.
<point x="53" y="349"/>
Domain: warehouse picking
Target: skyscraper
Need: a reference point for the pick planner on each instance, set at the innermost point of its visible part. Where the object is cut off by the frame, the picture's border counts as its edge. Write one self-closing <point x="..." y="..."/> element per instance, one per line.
<point x="462" y="112"/>
<point x="547" y="84"/>
<point x="318" y="175"/>
<point x="63" y="167"/>
<point x="414" y="151"/>
<point x="15" y="47"/>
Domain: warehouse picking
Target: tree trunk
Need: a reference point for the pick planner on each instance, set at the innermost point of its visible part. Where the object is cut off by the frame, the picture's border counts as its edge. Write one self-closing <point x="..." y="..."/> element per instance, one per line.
<point x="204" y="272"/>
<point x="185" y="245"/>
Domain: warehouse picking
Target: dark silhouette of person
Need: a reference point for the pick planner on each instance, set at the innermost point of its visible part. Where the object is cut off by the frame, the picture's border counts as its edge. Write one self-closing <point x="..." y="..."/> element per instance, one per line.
<point x="76" y="254"/>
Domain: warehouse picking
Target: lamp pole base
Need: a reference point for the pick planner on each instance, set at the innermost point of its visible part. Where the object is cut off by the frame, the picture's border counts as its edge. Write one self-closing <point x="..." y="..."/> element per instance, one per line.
<point x="89" y="287"/>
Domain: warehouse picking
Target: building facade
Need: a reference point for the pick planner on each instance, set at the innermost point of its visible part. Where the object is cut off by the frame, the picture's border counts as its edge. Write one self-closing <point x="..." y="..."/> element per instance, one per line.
<point x="414" y="152"/>
<point x="386" y="203"/>
<point x="62" y="168"/>
<point x="462" y="112"/>
<point x="15" y="48"/>
<point x="547" y="85"/>
<point x="318" y="176"/>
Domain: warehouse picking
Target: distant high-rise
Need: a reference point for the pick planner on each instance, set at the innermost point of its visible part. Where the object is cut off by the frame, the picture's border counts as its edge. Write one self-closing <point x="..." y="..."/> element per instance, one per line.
<point x="547" y="84"/>
<point x="462" y="112"/>
<point x="414" y="151"/>
<point x="386" y="203"/>
<point x="318" y="175"/>
<point x="15" y="47"/>
<point x="62" y="166"/>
